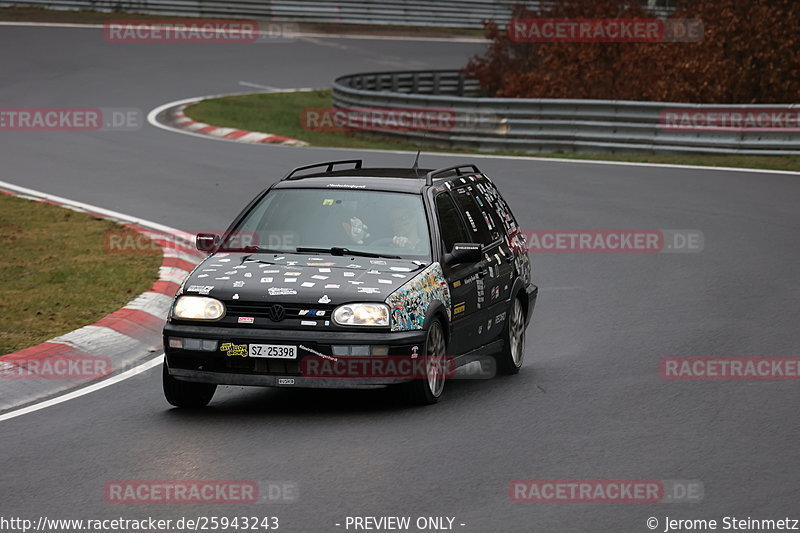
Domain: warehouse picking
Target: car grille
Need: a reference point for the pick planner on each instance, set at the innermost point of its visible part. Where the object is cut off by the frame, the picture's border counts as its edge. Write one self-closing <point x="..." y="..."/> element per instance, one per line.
<point x="265" y="315"/>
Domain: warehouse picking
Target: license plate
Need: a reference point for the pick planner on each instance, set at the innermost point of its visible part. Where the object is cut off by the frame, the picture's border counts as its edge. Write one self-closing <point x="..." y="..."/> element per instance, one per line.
<point x="273" y="351"/>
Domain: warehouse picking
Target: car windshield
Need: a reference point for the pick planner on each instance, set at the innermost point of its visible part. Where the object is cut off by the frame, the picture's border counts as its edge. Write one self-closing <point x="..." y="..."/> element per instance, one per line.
<point x="386" y="224"/>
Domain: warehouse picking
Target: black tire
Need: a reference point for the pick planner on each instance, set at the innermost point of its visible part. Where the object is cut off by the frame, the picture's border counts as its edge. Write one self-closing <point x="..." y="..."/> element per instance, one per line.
<point x="428" y="391"/>
<point x="510" y="358"/>
<point x="185" y="393"/>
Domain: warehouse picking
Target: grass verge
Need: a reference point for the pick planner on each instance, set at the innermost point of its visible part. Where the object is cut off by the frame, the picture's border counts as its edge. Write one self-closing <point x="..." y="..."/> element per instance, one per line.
<point x="279" y="113"/>
<point x="55" y="272"/>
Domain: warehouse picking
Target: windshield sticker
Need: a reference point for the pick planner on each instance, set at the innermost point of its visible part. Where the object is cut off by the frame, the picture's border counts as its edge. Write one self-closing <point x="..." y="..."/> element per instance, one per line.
<point x="409" y="304"/>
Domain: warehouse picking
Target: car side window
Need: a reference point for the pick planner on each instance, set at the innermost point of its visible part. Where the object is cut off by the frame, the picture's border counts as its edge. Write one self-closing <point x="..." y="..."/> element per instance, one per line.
<point x="482" y="227"/>
<point x="451" y="227"/>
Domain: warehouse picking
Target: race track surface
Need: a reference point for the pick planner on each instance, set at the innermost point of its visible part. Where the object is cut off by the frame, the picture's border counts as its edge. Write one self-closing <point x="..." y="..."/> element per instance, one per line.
<point x="589" y="403"/>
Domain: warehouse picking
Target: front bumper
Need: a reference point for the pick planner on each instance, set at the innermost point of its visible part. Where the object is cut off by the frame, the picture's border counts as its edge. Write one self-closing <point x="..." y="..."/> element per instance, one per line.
<point x="222" y="369"/>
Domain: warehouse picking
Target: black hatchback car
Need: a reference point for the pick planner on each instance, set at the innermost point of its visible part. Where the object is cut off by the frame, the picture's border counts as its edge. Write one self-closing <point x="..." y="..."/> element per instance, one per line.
<point x="354" y="277"/>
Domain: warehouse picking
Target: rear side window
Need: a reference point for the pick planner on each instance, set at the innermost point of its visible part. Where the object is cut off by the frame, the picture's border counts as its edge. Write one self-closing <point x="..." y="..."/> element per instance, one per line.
<point x="482" y="225"/>
<point x="451" y="226"/>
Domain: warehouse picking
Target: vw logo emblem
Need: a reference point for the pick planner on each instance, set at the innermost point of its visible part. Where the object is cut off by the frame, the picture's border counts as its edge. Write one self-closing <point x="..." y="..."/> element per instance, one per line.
<point x="276" y="313"/>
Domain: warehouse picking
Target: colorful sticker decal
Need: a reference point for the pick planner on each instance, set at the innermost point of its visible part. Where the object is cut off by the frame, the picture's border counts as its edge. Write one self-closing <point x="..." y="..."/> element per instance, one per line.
<point x="327" y="201"/>
<point x="410" y="302"/>
<point x="459" y="308"/>
<point x="233" y="350"/>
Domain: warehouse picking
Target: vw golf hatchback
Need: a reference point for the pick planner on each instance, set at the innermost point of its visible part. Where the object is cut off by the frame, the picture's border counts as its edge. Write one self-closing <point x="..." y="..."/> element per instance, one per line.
<point x="344" y="276"/>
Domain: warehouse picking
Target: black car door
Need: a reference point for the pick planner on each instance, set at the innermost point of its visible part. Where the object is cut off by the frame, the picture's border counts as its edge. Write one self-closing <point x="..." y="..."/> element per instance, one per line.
<point x="495" y="272"/>
<point x="461" y="278"/>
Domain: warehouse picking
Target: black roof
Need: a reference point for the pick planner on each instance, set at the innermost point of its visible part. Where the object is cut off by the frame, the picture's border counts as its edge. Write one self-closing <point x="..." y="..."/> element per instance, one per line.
<point x="408" y="180"/>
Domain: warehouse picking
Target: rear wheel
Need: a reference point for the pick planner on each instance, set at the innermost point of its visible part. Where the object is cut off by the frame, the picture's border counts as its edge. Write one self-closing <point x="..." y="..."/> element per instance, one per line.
<point x="185" y="393"/>
<point x="426" y="390"/>
<point x="509" y="361"/>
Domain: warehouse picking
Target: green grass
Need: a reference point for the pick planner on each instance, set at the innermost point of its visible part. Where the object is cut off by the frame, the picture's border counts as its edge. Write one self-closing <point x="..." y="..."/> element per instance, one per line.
<point x="279" y="113"/>
<point x="55" y="272"/>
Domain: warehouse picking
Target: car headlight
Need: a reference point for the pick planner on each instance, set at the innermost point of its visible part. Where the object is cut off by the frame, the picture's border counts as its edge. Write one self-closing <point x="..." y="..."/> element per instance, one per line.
<point x="362" y="315"/>
<point x="198" y="308"/>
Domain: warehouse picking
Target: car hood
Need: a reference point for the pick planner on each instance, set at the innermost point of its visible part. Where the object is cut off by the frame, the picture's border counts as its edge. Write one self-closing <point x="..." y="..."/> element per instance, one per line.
<point x="299" y="278"/>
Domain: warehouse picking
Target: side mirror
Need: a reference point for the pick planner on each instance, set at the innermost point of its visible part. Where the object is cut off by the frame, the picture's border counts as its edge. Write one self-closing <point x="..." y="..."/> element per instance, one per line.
<point x="464" y="252"/>
<point x="206" y="242"/>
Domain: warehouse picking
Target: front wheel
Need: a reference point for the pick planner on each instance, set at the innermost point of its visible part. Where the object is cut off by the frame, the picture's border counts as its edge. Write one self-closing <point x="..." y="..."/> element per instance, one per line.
<point x="509" y="361"/>
<point x="184" y="393"/>
<point x="426" y="390"/>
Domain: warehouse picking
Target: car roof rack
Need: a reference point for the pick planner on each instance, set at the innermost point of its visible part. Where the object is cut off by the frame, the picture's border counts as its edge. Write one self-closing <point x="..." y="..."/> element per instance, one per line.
<point x="456" y="169"/>
<point x="357" y="163"/>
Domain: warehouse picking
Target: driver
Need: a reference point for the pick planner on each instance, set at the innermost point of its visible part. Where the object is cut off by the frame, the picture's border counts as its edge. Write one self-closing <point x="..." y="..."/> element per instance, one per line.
<point x="404" y="228"/>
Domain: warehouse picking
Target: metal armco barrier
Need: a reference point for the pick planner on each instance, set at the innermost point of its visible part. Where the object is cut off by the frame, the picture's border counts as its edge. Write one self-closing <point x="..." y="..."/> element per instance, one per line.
<point x="553" y="125"/>
<point x="439" y="13"/>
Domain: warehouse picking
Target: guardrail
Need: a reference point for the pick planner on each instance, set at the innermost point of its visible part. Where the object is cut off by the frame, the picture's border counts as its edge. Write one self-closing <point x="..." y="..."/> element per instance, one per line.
<point x="550" y="125"/>
<point x="439" y="13"/>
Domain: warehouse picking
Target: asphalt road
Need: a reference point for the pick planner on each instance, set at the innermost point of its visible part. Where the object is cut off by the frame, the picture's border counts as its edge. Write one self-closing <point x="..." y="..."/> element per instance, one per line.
<point x="589" y="403"/>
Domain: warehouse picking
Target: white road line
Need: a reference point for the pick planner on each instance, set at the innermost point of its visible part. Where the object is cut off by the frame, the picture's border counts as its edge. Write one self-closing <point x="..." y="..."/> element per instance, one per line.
<point x="135" y="371"/>
<point x="257" y="86"/>
<point x="121" y="217"/>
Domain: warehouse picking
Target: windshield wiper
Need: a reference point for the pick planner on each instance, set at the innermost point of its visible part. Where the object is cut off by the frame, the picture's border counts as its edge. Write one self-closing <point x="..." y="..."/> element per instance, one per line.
<point x="255" y="250"/>
<point x="335" y="250"/>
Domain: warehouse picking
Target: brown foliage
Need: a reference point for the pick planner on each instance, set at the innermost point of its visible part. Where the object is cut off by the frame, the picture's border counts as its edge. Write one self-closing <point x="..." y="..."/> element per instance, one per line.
<point x="750" y="53"/>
